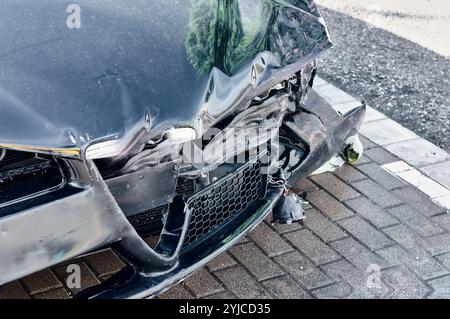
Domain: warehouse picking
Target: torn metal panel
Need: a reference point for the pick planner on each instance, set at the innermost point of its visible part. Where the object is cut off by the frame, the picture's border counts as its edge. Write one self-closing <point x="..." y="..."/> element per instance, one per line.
<point x="326" y="133"/>
<point x="145" y="189"/>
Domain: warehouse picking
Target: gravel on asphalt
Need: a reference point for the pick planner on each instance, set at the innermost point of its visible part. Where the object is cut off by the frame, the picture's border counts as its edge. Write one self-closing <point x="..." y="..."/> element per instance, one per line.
<point x="405" y="81"/>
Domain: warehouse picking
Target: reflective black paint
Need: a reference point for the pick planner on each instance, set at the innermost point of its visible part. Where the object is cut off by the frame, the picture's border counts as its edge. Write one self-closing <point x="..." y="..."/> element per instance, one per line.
<point x="64" y="89"/>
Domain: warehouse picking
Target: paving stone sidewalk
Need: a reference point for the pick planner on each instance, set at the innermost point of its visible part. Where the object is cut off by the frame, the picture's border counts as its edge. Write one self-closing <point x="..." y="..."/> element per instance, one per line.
<point x="356" y="224"/>
<point x="358" y="228"/>
<point x="368" y="234"/>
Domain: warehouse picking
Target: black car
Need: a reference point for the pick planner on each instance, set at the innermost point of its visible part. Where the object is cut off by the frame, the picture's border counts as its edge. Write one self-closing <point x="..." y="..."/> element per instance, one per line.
<point x="165" y="130"/>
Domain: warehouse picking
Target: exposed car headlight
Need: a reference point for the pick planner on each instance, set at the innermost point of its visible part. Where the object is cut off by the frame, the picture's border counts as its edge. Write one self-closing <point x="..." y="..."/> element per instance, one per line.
<point x="179" y="135"/>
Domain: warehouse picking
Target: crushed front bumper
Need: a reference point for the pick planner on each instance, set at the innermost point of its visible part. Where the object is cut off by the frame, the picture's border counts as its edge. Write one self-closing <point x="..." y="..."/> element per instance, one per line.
<point x="85" y="217"/>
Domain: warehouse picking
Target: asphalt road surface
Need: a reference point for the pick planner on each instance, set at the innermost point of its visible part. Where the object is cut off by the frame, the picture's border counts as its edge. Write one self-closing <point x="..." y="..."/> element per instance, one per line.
<point x="401" y="78"/>
<point x="422" y="21"/>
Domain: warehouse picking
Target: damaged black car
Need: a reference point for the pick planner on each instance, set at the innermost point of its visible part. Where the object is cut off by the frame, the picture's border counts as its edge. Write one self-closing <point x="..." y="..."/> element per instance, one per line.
<point x="164" y="130"/>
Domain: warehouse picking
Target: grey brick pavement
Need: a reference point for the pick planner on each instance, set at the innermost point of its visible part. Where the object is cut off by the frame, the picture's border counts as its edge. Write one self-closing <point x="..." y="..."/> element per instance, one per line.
<point x="357" y="219"/>
<point x="367" y="235"/>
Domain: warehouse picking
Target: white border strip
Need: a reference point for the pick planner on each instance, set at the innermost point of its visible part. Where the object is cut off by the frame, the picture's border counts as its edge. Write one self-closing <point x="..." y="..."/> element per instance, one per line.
<point x="437" y="192"/>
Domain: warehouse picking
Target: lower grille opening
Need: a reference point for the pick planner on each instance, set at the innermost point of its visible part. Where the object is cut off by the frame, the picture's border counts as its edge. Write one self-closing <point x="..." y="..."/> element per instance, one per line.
<point x="210" y="208"/>
<point x="149" y="224"/>
<point x="185" y="187"/>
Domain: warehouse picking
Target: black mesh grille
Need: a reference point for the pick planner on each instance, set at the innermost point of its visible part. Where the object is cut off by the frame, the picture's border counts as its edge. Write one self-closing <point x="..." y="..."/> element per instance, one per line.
<point x="185" y="187"/>
<point x="149" y="222"/>
<point x="226" y="199"/>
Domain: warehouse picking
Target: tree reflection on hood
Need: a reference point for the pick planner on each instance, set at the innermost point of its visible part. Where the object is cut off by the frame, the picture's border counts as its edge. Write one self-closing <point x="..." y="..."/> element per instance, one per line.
<point x="217" y="36"/>
<point x="228" y="33"/>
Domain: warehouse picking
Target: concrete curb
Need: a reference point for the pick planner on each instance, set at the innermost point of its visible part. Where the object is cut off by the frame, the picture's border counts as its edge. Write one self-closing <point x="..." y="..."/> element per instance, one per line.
<point x="423" y="164"/>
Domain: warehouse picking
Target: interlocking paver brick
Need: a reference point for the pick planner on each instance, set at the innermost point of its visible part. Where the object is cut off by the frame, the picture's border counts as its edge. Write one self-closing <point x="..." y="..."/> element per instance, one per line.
<point x="104" y="263"/>
<point x="177" y="292"/>
<point x="340" y="290"/>
<point x="305" y="185"/>
<point x="441" y="288"/>
<point x="425" y="267"/>
<point x="365" y="232"/>
<point x="13" y="290"/>
<point x="312" y="246"/>
<point x="349" y="174"/>
<point x="221" y="262"/>
<point x="443" y="220"/>
<point x="444" y="259"/>
<point x="414" y="220"/>
<point x="203" y="284"/>
<point x="241" y="284"/>
<point x="303" y="270"/>
<point x="357" y="254"/>
<point x="419" y="201"/>
<point x="404" y="283"/>
<point x="381" y="176"/>
<point x="88" y="279"/>
<point x="328" y="205"/>
<point x="409" y="240"/>
<point x="243" y="240"/>
<point x="363" y="160"/>
<point x="438" y="244"/>
<point x="59" y="293"/>
<point x="376" y="193"/>
<point x="223" y="295"/>
<point x="285" y="288"/>
<point x="282" y="228"/>
<point x="254" y="260"/>
<point x="42" y="281"/>
<point x="335" y="186"/>
<point x="380" y="156"/>
<point x="419" y="247"/>
<point x="269" y="241"/>
<point x="323" y="227"/>
<point x="344" y="271"/>
<point x="372" y="212"/>
<point x="367" y="144"/>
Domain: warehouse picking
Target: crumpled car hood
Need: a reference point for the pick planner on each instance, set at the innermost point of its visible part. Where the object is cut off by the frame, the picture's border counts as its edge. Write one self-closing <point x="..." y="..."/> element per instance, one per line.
<point x="141" y="65"/>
